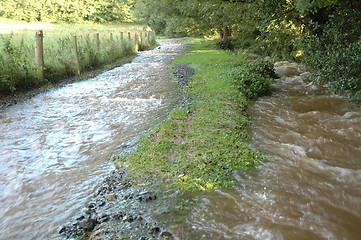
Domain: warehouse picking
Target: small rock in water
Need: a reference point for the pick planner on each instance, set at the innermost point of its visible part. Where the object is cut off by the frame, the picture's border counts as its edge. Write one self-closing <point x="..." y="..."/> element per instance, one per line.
<point x="87" y="224"/>
<point x="154" y="230"/>
<point x="166" y="236"/>
<point x="102" y="217"/>
<point x="146" y="196"/>
<point x="110" y="196"/>
<point x="118" y="216"/>
<point x="62" y="229"/>
<point x="128" y="219"/>
<point x="91" y="206"/>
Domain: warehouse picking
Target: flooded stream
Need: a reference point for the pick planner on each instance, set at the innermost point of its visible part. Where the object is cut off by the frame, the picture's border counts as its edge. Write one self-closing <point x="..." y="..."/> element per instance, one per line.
<point x="54" y="147"/>
<point x="310" y="186"/>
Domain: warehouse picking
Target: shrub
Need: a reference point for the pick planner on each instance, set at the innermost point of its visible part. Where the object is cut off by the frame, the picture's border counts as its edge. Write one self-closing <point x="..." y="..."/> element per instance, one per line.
<point x="252" y="78"/>
<point x="334" y="53"/>
<point x="225" y="45"/>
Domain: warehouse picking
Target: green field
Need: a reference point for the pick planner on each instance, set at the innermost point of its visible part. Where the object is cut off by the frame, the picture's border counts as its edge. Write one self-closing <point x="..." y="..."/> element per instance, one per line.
<point x="96" y="45"/>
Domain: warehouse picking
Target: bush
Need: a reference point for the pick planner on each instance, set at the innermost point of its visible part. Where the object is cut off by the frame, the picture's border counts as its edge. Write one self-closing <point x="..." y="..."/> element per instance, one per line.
<point x="225" y="45"/>
<point x="335" y="55"/>
<point x="252" y="78"/>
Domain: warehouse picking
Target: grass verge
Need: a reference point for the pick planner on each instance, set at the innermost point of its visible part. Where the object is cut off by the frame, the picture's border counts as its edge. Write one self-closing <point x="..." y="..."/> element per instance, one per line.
<point x="204" y="140"/>
<point x="97" y="45"/>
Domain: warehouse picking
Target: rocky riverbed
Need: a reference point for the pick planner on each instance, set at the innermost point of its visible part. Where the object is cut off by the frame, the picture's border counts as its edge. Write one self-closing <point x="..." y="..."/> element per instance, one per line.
<point x="119" y="210"/>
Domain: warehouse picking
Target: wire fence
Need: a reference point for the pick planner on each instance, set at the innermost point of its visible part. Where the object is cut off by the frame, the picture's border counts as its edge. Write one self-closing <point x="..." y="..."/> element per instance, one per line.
<point x="26" y="62"/>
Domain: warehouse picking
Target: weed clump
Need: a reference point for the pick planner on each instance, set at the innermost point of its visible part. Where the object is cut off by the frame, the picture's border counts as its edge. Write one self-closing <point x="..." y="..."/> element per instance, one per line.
<point x="16" y="71"/>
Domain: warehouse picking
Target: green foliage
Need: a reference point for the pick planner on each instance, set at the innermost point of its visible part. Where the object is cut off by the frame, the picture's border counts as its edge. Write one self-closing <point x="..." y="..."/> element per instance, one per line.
<point x="68" y="11"/>
<point x="176" y="18"/>
<point x="252" y="78"/>
<point x="225" y="45"/>
<point x="335" y="54"/>
<point x="204" y="140"/>
<point x="327" y="31"/>
<point x="16" y="72"/>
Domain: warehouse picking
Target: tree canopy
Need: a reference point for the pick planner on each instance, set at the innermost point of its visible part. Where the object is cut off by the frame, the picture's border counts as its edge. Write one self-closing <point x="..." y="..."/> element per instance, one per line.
<point x="68" y="11"/>
<point x="324" y="34"/>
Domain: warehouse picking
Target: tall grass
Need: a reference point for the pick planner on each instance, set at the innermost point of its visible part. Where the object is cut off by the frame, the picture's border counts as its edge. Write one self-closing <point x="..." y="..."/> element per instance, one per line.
<point x="16" y="68"/>
<point x="17" y="61"/>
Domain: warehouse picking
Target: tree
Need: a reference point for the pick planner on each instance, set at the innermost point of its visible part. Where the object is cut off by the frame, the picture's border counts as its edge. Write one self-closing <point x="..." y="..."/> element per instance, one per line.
<point x="69" y="11"/>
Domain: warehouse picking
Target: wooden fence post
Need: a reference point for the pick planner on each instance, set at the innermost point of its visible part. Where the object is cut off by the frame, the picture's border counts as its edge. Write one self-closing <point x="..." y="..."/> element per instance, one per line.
<point x="39" y="54"/>
<point x="76" y="56"/>
<point x="97" y="41"/>
<point x="129" y="36"/>
<point x="136" y="46"/>
<point x="146" y="38"/>
<point x="141" y="43"/>
<point x="111" y="42"/>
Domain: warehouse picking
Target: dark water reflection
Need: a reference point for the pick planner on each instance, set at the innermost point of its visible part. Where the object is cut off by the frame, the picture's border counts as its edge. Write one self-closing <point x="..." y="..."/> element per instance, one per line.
<point x="54" y="147"/>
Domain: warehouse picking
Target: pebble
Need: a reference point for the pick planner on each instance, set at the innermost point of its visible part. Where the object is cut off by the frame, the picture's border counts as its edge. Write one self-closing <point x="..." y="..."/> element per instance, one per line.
<point x="146" y="196"/>
<point x="166" y="236"/>
<point x="87" y="224"/>
<point x="110" y="196"/>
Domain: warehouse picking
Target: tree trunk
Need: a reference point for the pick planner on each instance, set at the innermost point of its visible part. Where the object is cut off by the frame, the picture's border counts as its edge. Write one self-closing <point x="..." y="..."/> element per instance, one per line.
<point x="225" y="33"/>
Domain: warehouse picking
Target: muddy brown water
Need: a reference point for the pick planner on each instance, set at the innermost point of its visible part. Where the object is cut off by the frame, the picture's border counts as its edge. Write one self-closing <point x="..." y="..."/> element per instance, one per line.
<point x="310" y="186"/>
<point x="54" y="147"/>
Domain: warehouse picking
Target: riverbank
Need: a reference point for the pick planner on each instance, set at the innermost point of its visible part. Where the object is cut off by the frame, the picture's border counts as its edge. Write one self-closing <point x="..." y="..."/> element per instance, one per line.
<point x="198" y="147"/>
<point x="64" y="51"/>
<point x="21" y="96"/>
<point x="56" y="145"/>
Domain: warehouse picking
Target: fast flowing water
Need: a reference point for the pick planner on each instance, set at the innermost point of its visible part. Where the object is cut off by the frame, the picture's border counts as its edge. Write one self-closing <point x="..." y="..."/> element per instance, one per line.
<point x="310" y="186"/>
<point x="54" y="147"/>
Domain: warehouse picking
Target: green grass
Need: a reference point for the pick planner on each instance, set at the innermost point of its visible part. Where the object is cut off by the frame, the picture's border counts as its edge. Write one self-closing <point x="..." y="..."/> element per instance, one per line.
<point x="203" y="141"/>
<point x="17" y="62"/>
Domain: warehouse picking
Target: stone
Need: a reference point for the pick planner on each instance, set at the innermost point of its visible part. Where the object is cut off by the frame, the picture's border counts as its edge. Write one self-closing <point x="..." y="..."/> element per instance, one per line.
<point x="87" y="224"/>
<point x="62" y="230"/>
<point x="128" y="219"/>
<point x="102" y="217"/>
<point x="91" y="206"/>
<point x="154" y="230"/>
<point x="110" y="196"/>
<point x="166" y="236"/>
<point x="146" y="196"/>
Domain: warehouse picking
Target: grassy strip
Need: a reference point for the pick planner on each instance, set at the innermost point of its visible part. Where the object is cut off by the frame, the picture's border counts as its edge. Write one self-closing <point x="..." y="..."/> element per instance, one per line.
<point x="204" y="140"/>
